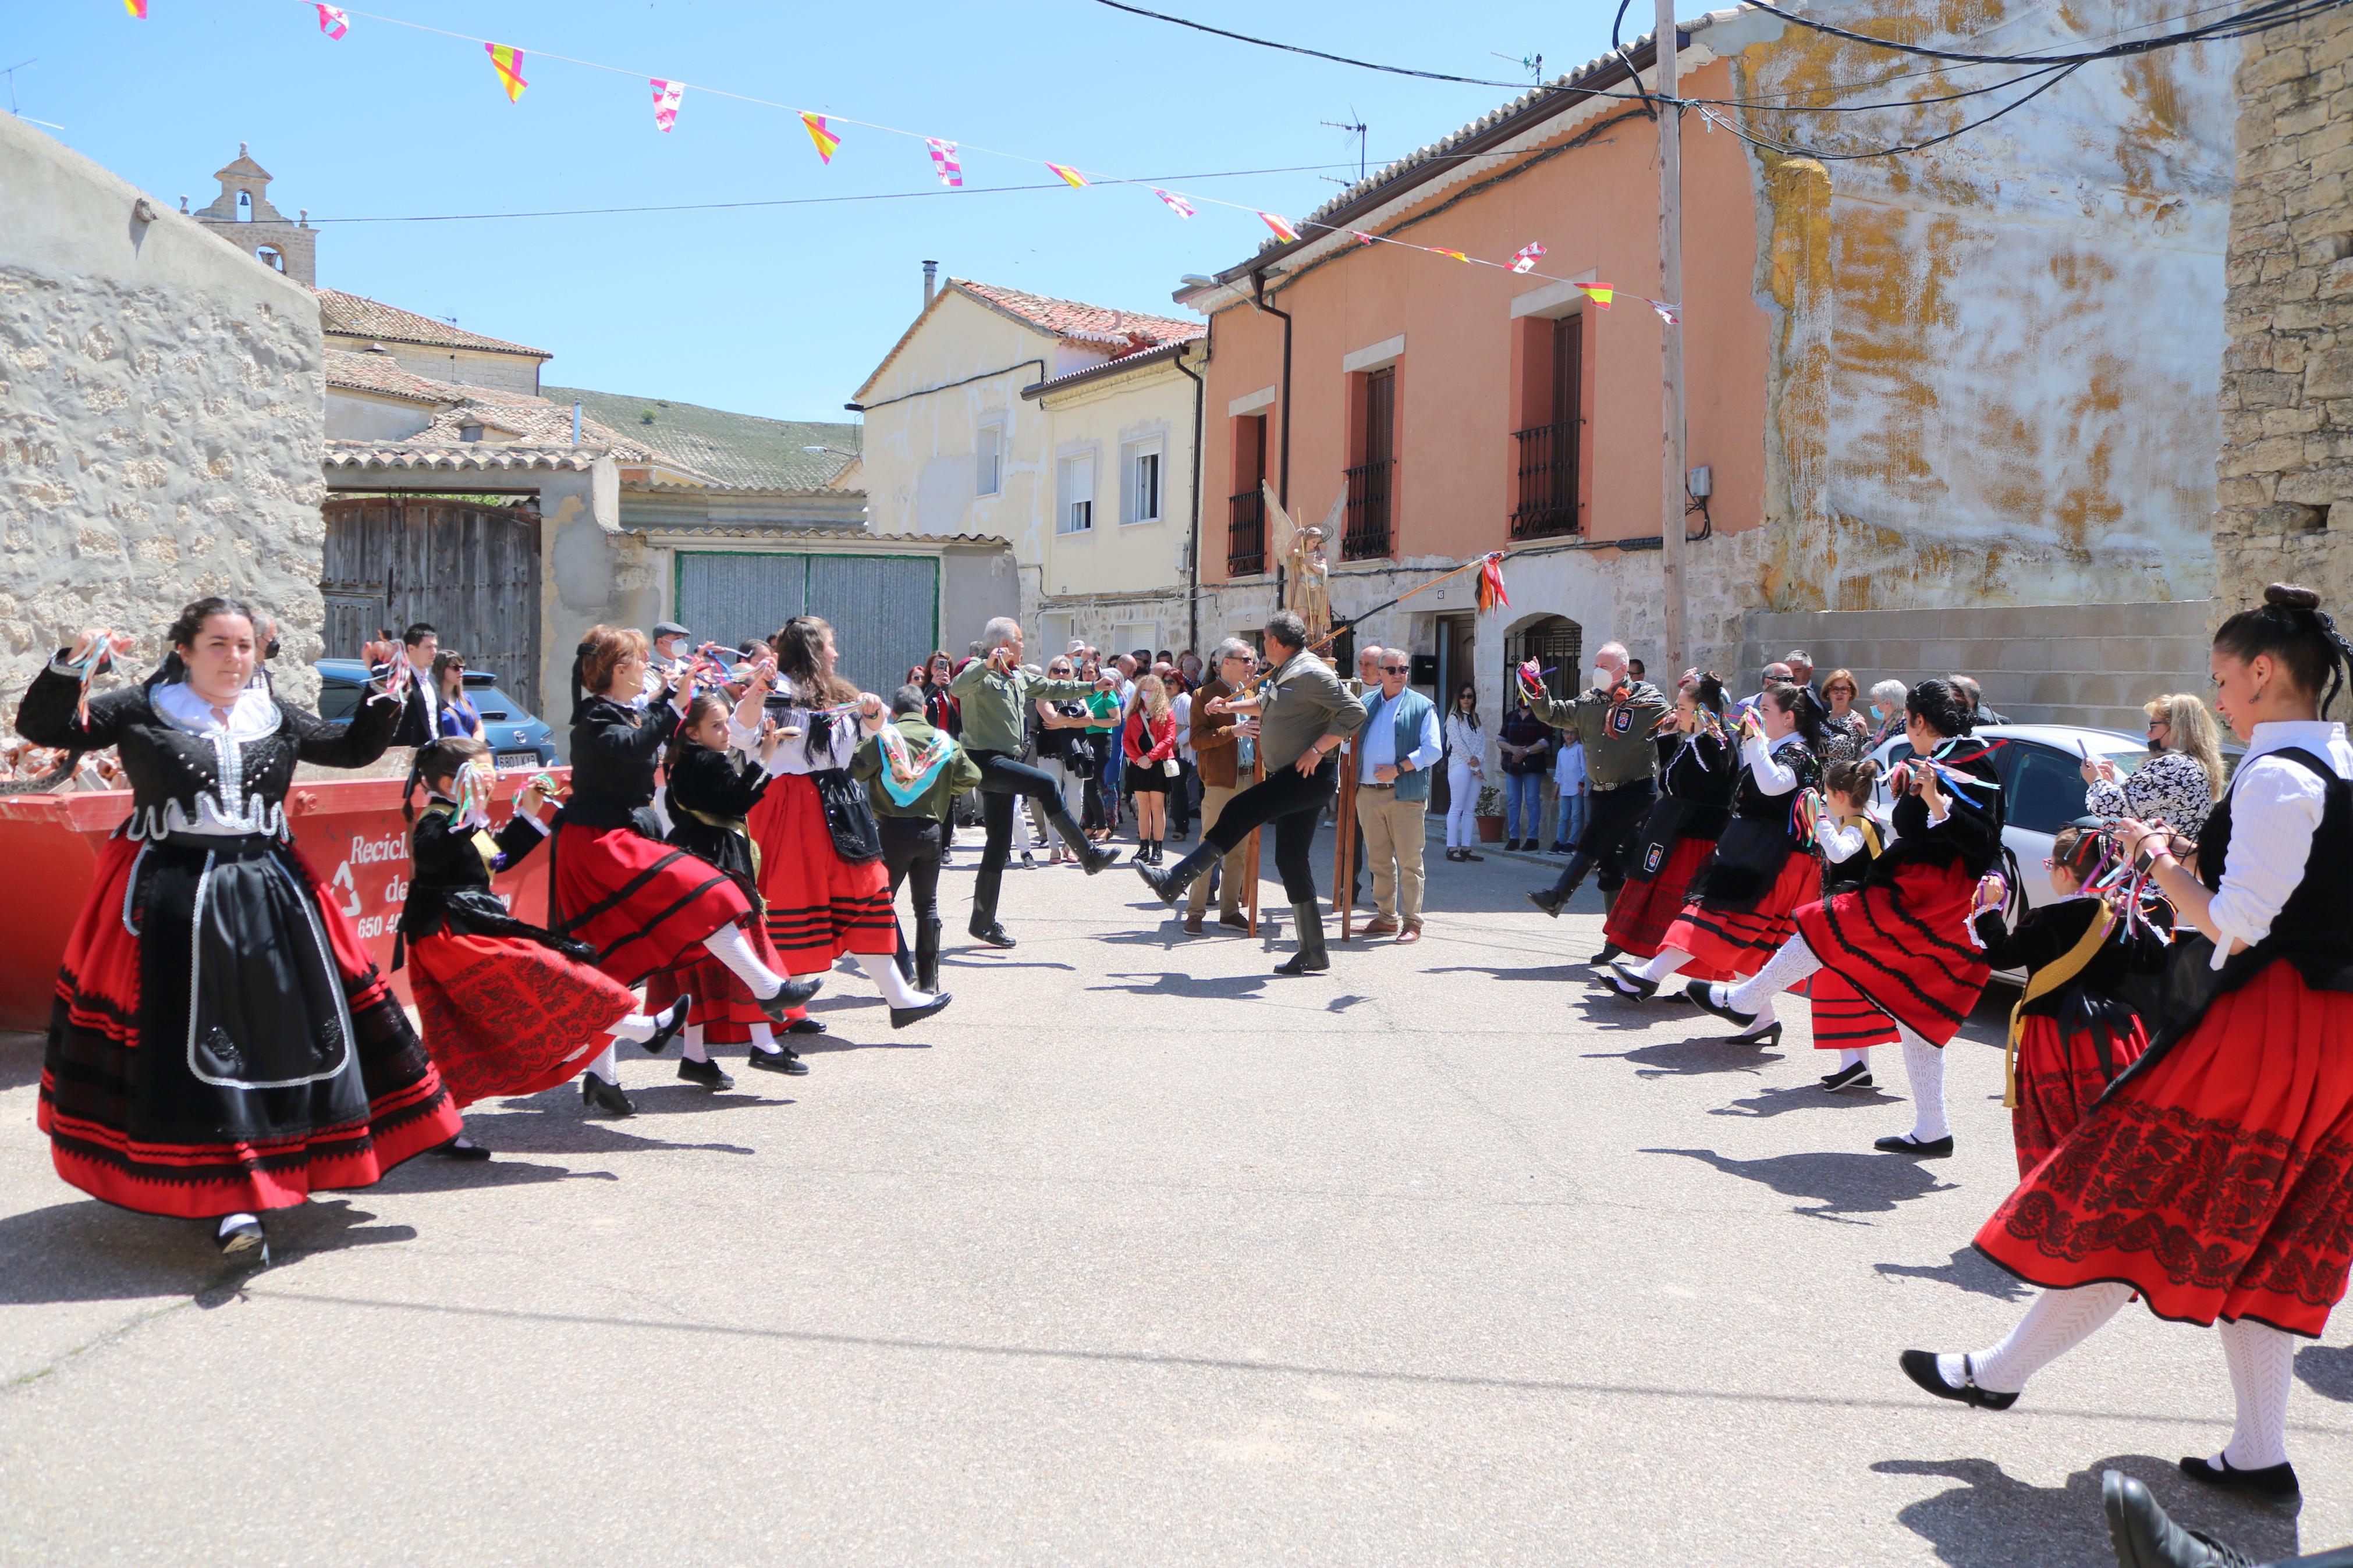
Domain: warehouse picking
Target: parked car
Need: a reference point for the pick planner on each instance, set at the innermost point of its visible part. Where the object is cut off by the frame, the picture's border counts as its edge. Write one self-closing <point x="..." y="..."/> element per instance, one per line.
<point x="517" y="739"/>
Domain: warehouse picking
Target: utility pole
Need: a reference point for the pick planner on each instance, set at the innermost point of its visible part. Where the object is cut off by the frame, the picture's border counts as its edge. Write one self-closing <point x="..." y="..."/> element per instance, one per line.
<point x="1672" y="464"/>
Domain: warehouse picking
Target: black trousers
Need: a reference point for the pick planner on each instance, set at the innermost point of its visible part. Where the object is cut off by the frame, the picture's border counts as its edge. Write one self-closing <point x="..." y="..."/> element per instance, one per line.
<point x="1294" y="803"/>
<point x="912" y="847"/>
<point x="1005" y="780"/>
<point x="1613" y="826"/>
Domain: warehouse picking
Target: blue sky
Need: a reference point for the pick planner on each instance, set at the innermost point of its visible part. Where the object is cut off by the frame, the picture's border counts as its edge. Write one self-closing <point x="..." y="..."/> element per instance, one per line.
<point x="779" y="310"/>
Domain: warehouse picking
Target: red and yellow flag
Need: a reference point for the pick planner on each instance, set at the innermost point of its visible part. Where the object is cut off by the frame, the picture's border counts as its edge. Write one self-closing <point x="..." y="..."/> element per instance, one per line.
<point x="1282" y="226"/>
<point x="1600" y="293"/>
<point x="825" y="141"/>
<point x="138" y="8"/>
<point x="508" y="61"/>
<point x="1070" y="177"/>
<point x="1456" y="253"/>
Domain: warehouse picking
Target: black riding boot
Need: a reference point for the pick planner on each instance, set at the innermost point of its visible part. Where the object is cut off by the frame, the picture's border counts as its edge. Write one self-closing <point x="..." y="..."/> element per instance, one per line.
<point x="927" y="954"/>
<point x="1311" y="958"/>
<point x="1092" y="857"/>
<point x="1171" y="883"/>
<point x="1553" y="897"/>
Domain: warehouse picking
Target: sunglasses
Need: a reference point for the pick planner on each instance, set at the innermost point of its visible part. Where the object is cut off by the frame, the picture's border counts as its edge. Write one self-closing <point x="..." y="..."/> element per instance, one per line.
<point x="1395" y="669"/>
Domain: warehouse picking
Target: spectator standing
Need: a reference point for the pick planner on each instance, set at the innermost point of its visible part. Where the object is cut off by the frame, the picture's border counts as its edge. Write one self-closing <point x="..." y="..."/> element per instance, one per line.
<point x="1399" y="745"/>
<point x="1218" y="742"/>
<point x="420" y="710"/>
<point x="1526" y="745"/>
<point x="1466" y="772"/>
<point x="1062" y="756"/>
<point x="1845" y="736"/>
<point x="1801" y="669"/>
<point x="1776" y="673"/>
<point x="459" y="719"/>
<point x="1975" y="694"/>
<point x="1568" y="782"/>
<point x="2182" y="778"/>
<point x="1148" y="740"/>
<point x="1886" y="711"/>
<point x="941" y="710"/>
<point x="1189" y="777"/>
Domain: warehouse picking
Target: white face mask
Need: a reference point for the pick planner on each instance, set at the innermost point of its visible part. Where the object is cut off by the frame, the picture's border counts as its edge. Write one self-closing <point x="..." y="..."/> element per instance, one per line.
<point x="1603" y="677"/>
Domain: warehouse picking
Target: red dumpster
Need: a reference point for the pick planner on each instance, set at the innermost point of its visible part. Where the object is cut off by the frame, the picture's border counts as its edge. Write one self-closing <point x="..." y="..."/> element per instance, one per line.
<point x="349" y="831"/>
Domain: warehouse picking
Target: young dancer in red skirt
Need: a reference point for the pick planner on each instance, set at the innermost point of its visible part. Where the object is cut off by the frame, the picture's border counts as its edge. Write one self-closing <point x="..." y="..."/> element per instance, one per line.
<point x="2071" y="1033"/>
<point x="1904" y="941"/>
<point x="641" y="905"/>
<point x="221" y="1044"/>
<point x="506" y="1008"/>
<point x="1697" y="777"/>
<point x="821" y="872"/>
<point x="2211" y="1178"/>
<point x="1744" y="902"/>
<point x="1848" y="838"/>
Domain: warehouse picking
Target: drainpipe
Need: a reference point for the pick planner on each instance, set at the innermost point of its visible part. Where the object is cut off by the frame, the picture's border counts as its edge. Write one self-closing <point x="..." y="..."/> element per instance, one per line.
<point x="1193" y="545"/>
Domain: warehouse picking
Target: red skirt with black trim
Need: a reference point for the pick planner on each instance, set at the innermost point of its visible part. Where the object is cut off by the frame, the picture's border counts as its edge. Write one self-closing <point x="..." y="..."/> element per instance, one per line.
<point x="818" y="905"/>
<point x="1732" y="945"/>
<point x="2058" y="1077"/>
<point x="725" y="1009"/>
<point x="136" y="1114"/>
<point x="1845" y="1019"/>
<point x="642" y="905"/>
<point x="2218" y="1179"/>
<point x="504" y="1014"/>
<point x="1908" y="948"/>
<point x="1637" y="922"/>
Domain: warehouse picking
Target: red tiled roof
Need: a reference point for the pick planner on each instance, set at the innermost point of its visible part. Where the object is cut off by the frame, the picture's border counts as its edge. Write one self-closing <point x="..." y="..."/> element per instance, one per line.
<point x="535" y="421"/>
<point x="1125" y="329"/>
<point x="356" y="316"/>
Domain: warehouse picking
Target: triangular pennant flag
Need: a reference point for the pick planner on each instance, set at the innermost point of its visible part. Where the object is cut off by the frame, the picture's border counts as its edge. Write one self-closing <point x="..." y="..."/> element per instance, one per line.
<point x="1282" y="226"/>
<point x="1526" y="256"/>
<point x="667" y="98"/>
<point x="1456" y="253"/>
<point x="943" y="162"/>
<point x="136" y="8"/>
<point x="507" y="60"/>
<point x="1361" y="238"/>
<point x="1177" y="204"/>
<point x="825" y="141"/>
<point x="333" y="21"/>
<point x="1600" y="293"/>
<point x="1667" y="312"/>
<point x="1070" y="176"/>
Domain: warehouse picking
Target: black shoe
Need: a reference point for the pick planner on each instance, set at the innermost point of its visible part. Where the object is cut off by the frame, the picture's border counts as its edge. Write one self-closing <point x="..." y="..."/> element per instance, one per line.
<point x="1920" y="1366"/>
<point x="1698" y="992"/>
<point x="1171" y="883"/>
<point x="1312" y="957"/>
<point x="1919" y="1149"/>
<point x="595" y="1094"/>
<point x="671" y="1023"/>
<point x="1609" y="951"/>
<point x="1855" y="1077"/>
<point x="1546" y="901"/>
<point x="2272" y="1481"/>
<point x="243" y="1240"/>
<point x="806" y="1026"/>
<point x="902" y="1017"/>
<point x="1560" y="849"/>
<point x="990" y="935"/>
<point x="1469" y="855"/>
<point x="795" y="994"/>
<point x="1770" y="1034"/>
<point x="2144" y="1538"/>
<point x="786" y="1062"/>
<point x="706" y="1073"/>
<point x="461" y="1148"/>
<point x="1626" y="982"/>
<point x="1096" y="857"/>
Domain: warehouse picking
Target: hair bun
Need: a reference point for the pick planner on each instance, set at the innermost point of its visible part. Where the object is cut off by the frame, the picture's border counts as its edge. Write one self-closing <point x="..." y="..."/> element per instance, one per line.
<point x="2291" y="597"/>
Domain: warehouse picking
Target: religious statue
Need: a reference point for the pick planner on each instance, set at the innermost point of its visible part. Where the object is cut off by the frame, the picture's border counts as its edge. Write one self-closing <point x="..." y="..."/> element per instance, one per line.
<point x="1307" y="582"/>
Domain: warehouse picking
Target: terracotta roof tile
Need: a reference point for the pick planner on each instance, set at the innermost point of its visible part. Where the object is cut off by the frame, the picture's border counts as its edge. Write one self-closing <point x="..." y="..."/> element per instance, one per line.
<point x="356" y="316"/>
<point x="534" y="422"/>
<point x="1124" y="330"/>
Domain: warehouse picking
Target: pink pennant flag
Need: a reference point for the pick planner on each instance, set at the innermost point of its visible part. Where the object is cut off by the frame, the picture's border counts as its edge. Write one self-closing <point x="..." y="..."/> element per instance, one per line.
<point x="943" y="162"/>
<point x="826" y="142"/>
<point x="507" y="60"/>
<point x="1526" y="256"/>
<point x="1364" y="238"/>
<point x="333" y="21"/>
<point x="1177" y="204"/>
<point x="1667" y="312"/>
<point x="1282" y="226"/>
<point x="667" y="98"/>
<point x="137" y="8"/>
<point x="1069" y="175"/>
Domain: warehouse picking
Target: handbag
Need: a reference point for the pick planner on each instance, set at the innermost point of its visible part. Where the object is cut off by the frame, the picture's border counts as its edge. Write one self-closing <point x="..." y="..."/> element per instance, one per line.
<point x="1168" y="765"/>
<point x="848" y="816"/>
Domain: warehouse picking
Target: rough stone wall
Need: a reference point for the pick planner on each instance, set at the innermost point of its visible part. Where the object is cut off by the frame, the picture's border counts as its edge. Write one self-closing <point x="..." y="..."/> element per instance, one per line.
<point x="162" y="415"/>
<point x="2286" y="474"/>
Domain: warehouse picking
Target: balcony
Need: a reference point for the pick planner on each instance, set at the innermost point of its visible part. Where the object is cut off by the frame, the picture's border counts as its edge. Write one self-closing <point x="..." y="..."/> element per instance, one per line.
<point x="1246" y="534"/>
<point x="1547" y="481"/>
<point x="1366" y="534"/>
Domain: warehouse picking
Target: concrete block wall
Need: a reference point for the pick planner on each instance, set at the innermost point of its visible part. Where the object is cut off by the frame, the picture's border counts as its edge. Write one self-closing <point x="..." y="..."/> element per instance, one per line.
<point x="2065" y="664"/>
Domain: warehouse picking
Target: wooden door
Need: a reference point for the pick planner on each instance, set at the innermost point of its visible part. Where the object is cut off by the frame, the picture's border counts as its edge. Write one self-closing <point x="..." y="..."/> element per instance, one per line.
<point x="472" y="571"/>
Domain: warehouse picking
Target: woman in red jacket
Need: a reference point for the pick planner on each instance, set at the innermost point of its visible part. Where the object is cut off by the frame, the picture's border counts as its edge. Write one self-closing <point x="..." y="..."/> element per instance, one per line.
<point x="1150" y="740"/>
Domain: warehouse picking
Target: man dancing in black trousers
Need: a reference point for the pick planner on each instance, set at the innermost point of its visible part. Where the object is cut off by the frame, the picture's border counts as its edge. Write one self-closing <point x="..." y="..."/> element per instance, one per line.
<point x="1302" y="714"/>
<point x="1615" y="720"/>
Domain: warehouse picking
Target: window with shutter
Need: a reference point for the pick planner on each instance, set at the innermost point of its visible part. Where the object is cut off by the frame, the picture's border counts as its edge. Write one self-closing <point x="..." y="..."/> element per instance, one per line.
<point x="988" y="443"/>
<point x="1074" y="494"/>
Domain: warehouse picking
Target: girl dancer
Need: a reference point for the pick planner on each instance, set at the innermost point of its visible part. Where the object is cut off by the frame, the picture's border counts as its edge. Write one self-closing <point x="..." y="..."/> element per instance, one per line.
<point x="2070" y="1034"/>
<point x="1466" y="769"/>
<point x="1849" y="838"/>
<point x="821" y="903"/>
<point x="1904" y="940"/>
<point x="220" y="1045"/>
<point x="506" y="1008"/>
<point x="1150" y="738"/>
<point x="641" y="905"/>
<point x="2210" y="1177"/>
<point x="1744" y="904"/>
<point x="1696" y="780"/>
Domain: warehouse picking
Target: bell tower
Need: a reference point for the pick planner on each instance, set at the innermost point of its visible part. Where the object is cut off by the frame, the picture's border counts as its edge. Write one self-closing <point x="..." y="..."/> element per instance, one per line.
<point x="242" y="214"/>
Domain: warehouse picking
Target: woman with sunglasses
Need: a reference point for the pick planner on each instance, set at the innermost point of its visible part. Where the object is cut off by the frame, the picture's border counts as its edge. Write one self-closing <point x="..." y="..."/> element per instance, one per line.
<point x="459" y="720"/>
<point x="1466" y="769"/>
<point x="2182" y="778"/>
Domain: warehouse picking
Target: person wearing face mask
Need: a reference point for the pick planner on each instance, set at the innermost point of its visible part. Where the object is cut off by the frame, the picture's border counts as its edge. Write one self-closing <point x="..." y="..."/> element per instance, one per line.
<point x="1615" y="716"/>
<point x="222" y="1045"/>
<point x="1886" y="714"/>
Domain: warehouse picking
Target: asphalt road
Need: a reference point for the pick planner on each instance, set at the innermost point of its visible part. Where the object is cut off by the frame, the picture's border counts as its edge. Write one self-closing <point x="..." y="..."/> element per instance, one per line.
<point x="1137" y="1254"/>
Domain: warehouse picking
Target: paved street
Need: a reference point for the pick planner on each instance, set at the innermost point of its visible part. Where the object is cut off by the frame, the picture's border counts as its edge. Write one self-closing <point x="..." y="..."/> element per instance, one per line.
<point x="1137" y="1254"/>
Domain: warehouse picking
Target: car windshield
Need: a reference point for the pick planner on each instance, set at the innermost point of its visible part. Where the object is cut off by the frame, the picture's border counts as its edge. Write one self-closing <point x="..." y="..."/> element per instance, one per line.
<point x="338" y="701"/>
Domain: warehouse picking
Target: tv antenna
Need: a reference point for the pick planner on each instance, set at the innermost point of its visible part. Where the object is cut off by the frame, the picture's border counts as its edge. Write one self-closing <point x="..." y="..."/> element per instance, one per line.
<point x="1355" y="128"/>
<point x="1532" y="64"/>
<point x="10" y="72"/>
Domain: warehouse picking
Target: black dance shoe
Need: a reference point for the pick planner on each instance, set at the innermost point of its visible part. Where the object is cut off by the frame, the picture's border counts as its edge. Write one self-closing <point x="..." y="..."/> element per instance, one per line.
<point x="1855" y="1077"/>
<point x="786" y="1062"/>
<point x="1918" y="1148"/>
<point x="1609" y="951"/>
<point x="793" y="994"/>
<point x="243" y="1239"/>
<point x="2144" y="1538"/>
<point x="902" y="1017"/>
<point x="1544" y="900"/>
<point x="595" y="1094"/>
<point x="461" y="1148"/>
<point x="2272" y="1481"/>
<point x="1094" y="857"/>
<point x="705" y="1073"/>
<point x="806" y="1026"/>
<point x="1626" y="982"/>
<point x="670" y="1024"/>
<point x="1770" y="1034"/>
<point x="1920" y="1366"/>
<point x="1698" y="992"/>
<point x="990" y="934"/>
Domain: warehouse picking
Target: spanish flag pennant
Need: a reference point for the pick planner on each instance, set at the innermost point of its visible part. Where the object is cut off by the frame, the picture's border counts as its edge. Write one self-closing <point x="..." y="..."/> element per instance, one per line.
<point x="1456" y="253"/>
<point x="508" y="61"/>
<point x="1070" y="177"/>
<point x="825" y="141"/>
<point x="138" y="8"/>
<point x="1600" y="293"/>
<point x="1282" y="226"/>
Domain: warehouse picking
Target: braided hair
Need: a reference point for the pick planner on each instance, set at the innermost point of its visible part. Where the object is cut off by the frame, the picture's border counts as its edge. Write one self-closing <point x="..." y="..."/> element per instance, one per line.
<point x="1943" y="707"/>
<point x="2291" y="626"/>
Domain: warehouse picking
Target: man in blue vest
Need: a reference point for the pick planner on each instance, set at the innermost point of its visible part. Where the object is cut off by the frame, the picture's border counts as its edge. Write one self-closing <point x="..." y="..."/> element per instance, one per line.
<point x="1395" y="751"/>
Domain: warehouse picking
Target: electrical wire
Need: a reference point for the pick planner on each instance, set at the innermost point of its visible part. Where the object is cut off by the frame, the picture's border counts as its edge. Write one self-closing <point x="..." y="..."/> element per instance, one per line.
<point x="2271" y="14"/>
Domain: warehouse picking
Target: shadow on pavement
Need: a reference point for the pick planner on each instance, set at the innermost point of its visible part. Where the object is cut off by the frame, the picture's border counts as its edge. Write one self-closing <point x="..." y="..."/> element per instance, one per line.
<point x="553" y="1123"/>
<point x="89" y="1251"/>
<point x="1969" y="1271"/>
<point x="1553" y="974"/>
<point x="20" y="1059"/>
<point x="1692" y="1058"/>
<point x="2326" y="1370"/>
<point x="1991" y="1521"/>
<point x="1172" y="983"/>
<point x="1840" y="1184"/>
<point x="1803" y="1097"/>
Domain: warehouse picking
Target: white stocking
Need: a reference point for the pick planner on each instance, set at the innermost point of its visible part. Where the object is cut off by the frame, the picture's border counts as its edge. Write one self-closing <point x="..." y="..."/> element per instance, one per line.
<point x="763" y="1038"/>
<point x="607" y="1067"/>
<point x="730" y="947"/>
<point x="1669" y="959"/>
<point x="1783" y="970"/>
<point x="2057" y="1322"/>
<point x="2262" y="1369"/>
<point x="693" y="1048"/>
<point x="638" y="1027"/>
<point x="1854" y="1058"/>
<point x="894" y="985"/>
<point x="1924" y="1064"/>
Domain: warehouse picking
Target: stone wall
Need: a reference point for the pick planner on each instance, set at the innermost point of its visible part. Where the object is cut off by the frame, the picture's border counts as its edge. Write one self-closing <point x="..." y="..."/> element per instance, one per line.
<point x="162" y="413"/>
<point x="2286" y="468"/>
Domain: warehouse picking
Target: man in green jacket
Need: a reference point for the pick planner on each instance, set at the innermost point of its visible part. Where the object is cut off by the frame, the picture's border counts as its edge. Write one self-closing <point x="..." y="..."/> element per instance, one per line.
<point x="995" y="693"/>
<point x="1614" y="718"/>
<point x="913" y="774"/>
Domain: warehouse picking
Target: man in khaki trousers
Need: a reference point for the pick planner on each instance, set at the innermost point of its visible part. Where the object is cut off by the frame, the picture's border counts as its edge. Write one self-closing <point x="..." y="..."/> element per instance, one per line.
<point x="1218" y="742"/>
<point x="1395" y="752"/>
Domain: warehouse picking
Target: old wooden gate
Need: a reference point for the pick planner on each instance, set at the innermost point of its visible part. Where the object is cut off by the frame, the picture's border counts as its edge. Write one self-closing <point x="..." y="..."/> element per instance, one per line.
<point x="469" y="571"/>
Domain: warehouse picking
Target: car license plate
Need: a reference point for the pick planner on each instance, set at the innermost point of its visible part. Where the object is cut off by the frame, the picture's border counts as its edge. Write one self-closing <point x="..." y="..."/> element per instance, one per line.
<point x="516" y="759"/>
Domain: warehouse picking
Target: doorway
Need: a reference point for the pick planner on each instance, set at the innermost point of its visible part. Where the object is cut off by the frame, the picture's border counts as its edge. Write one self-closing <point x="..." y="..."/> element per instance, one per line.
<point x="1457" y="637"/>
<point x="469" y="571"/>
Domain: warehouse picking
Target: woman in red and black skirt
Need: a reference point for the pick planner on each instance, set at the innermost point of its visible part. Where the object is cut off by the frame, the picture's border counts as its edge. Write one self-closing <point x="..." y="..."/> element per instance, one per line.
<point x="1744" y="902"/>
<point x="1904" y="941"/>
<point x="2211" y="1178"/>
<point x="641" y="905"/>
<point x="507" y="1008"/>
<point x="1698" y="777"/>
<point x="221" y="1044"/>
